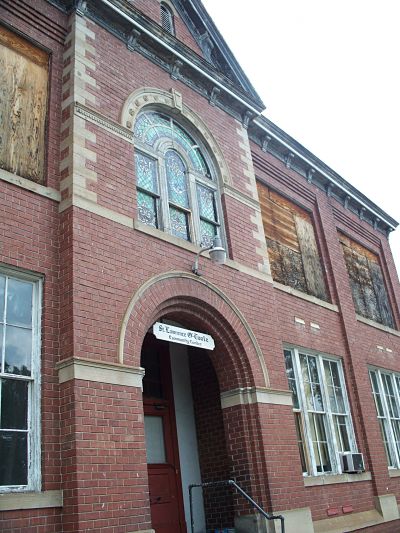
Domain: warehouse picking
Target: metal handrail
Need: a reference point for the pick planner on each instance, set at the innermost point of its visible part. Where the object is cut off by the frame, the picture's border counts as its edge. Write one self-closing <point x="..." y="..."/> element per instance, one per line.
<point x="231" y="482"/>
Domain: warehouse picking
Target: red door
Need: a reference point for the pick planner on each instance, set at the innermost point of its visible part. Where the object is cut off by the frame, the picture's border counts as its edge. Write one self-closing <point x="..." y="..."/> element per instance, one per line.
<point x="167" y="515"/>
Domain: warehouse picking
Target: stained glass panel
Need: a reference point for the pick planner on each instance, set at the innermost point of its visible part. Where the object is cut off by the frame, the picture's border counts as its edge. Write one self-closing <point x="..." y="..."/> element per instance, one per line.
<point x="206" y="203"/>
<point x="176" y="179"/>
<point x="146" y="172"/>
<point x="151" y="126"/>
<point x="207" y="233"/>
<point x="179" y="223"/>
<point x="147" y="211"/>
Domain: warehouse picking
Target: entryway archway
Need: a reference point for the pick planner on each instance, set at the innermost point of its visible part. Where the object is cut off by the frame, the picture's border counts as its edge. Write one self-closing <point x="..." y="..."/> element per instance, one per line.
<point x="232" y="434"/>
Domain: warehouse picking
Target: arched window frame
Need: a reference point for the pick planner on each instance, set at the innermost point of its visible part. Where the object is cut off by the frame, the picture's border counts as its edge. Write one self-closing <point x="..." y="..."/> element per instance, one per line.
<point x="195" y="180"/>
<point x="167" y="18"/>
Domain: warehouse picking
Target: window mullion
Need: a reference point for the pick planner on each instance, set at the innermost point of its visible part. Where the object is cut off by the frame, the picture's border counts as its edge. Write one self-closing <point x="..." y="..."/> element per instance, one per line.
<point x="392" y="440"/>
<point x="305" y="412"/>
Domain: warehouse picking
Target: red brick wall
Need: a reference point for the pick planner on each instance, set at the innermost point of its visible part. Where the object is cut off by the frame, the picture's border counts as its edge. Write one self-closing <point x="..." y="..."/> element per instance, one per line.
<point x="94" y="266"/>
<point x="214" y="462"/>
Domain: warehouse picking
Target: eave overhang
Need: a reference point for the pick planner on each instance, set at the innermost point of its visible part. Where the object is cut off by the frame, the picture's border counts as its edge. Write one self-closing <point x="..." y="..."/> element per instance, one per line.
<point x="275" y="141"/>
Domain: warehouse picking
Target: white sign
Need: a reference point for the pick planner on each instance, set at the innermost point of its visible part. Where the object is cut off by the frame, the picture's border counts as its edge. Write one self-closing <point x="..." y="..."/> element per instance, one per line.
<point x="169" y="333"/>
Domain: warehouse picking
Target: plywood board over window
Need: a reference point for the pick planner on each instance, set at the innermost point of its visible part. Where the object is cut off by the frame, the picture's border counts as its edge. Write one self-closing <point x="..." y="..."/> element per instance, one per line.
<point x="23" y="105"/>
<point x="367" y="284"/>
<point x="292" y="248"/>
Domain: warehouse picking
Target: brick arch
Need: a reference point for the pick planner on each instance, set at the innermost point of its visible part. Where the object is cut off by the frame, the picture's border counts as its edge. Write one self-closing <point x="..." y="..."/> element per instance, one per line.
<point x="172" y="101"/>
<point x="199" y="305"/>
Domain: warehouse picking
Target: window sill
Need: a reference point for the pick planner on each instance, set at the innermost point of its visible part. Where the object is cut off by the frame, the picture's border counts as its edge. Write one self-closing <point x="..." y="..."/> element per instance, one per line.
<point x="332" y="479"/>
<point x="394" y="472"/>
<point x="377" y="325"/>
<point x="13" y="501"/>
<point x="29" y="185"/>
<point x="305" y="296"/>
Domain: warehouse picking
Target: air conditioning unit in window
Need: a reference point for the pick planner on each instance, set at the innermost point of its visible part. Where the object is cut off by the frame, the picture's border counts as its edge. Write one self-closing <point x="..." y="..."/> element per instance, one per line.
<point x="352" y="462"/>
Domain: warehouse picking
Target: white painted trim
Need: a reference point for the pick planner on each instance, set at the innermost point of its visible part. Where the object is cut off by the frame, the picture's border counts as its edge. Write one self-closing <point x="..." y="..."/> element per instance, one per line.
<point x="313" y="481"/>
<point x="29" y="185"/>
<point x="31" y="500"/>
<point x="100" y="372"/>
<point x="377" y="325"/>
<point x="251" y="395"/>
<point x="305" y="296"/>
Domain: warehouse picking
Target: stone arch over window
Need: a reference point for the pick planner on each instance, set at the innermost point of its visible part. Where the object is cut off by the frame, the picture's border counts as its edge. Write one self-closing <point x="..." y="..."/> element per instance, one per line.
<point x="237" y="359"/>
<point x="172" y="104"/>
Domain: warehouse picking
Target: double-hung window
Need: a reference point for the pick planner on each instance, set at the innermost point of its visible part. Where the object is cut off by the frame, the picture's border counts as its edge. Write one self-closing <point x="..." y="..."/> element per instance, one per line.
<point x="19" y="382"/>
<point x="176" y="190"/>
<point x="386" y="391"/>
<point x="322" y="416"/>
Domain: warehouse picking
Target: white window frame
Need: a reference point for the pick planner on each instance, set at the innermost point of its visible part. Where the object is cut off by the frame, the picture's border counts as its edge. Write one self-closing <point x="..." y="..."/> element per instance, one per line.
<point x="387" y="419"/>
<point x="34" y="388"/>
<point x="194" y="178"/>
<point x="330" y="417"/>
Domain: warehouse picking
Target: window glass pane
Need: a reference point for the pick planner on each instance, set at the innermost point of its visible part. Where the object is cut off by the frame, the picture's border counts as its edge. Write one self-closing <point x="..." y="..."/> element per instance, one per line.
<point x="312" y="363"/>
<point x="176" y="179"/>
<point x="155" y="446"/>
<point x="14" y="458"/>
<point x="18" y="351"/>
<point x="320" y="444"/>
<point x="376" y="393"/>
<point x="342" y="436"/>
<point x="14" y="404"/>
<point x="300" y="441"/>
<point x="151" y="126"/>
<point x="19" y="303"/>
<point x="147" y="212"/>
<point x="179" y="223"/>
<point x="206" y="203"/>
<point x="389" y="393"/>
<point x="207" y="233"/>
<point x="396" y="433"/>
<point x="146" y="172"/>
<point x="291" y="378"/>
<point x="2" y="294"/>
<point x="317" y="394"/>
<point x="385" y="438"/>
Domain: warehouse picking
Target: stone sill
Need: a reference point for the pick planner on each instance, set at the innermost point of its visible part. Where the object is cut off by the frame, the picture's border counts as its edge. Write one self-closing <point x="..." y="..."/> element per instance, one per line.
<point x="394" y="472"/>
<point x="315" y="481"/>
<point x="305" y="296"/>
<point x="13" y="501"/>
<point x="29" y="185"/>
<point x="377" y="325"/>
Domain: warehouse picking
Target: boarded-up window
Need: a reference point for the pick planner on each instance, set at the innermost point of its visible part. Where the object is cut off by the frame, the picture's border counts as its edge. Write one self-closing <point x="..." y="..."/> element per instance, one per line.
<point x="366" y="281"/>
<point x="292" y="248"/>
<point x="23" y="103"/>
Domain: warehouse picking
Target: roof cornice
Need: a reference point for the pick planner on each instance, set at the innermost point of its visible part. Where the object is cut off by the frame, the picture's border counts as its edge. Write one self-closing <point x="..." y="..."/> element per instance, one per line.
<point x="275" y="141"/>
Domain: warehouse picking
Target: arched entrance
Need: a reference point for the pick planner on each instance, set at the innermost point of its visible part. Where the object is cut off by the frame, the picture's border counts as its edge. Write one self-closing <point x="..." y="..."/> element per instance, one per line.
<point x="190" y="438"/>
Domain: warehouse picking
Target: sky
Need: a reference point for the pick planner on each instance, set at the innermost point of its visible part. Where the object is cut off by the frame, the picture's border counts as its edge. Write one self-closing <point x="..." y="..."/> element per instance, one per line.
<point x="328" y="74"/>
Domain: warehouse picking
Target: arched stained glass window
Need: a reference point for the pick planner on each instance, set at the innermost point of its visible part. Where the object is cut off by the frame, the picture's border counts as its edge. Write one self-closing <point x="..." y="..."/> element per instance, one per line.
<point x="177" y="191"/>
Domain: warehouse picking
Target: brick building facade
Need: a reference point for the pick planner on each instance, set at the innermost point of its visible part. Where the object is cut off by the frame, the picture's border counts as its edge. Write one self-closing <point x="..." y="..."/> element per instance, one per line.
<point x="130" y="138"/>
